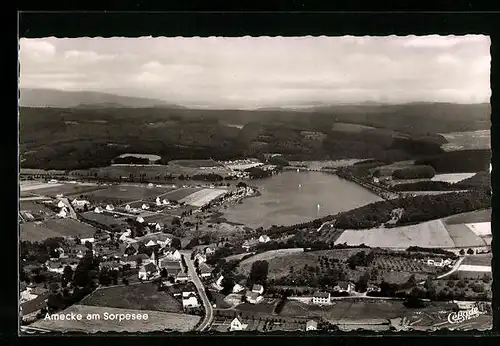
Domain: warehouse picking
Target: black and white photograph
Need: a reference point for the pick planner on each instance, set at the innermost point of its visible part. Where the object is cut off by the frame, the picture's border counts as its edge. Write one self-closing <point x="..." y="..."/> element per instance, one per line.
<point x="235" y="185"/>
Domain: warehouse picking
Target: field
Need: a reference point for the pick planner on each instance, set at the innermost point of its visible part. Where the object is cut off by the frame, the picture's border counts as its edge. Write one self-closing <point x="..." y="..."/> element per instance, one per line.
<point x="35" y="207"/>
<point x="179" y="194"/>
<point x="364" y="314"/>
<point x="143" y="296"/>
<point x="157" y="321"/>
<point x="38" y="231"/>
<point x="66" y="189"/>
<point x="281" y="262"/>
<point x="400" y="264"/>
<point x="345" y="127"/>
<point x="483" y="215"/>
<point x="105" y="219"/>
<point x="194" y="163"/>
<point x="426" y="234"/>
<point x="203" y="197"/>
<point x="480" y="228"/>
<point x="478" y="260"/>
<point x="452" y="177"/>
<point x="238" y="256"/>
<point x="475" y="268"/>
<point x="467" y="140"/>
<point x="463" y="236"/>
<point x="128" y="193"/>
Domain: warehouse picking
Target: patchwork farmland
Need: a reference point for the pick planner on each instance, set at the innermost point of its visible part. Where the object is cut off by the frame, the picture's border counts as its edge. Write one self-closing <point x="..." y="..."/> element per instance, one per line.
<point x="203" y="197"/>
<point x="140" y="297"/>
<point x="53" y="228"/>
<point x="127" y="193"/>
<point x="426" y="234"/>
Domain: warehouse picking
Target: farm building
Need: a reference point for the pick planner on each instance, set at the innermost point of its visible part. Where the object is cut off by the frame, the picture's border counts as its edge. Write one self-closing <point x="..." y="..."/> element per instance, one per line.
<point x="148" y="271"/>
<point x="189" y="300"/>
<point x="372" y="287"/>
<point x="182" y="277"/>
<point x="258" y="289"/>
<point x="253" y="297"/>
<point x="205" y="270"/>
<point x="311" y="325"/>
<point x="98" y="210"/>
<point x="249" y="244"/>
<point x="172" y="254"/>
<point x="344" y="286"/>
<point x="237" y="324"/>
<point x="264" y="239"/>
<point x="200" y="258"/>
<point x="321" y="298"/>
<point x="238" y="288"/>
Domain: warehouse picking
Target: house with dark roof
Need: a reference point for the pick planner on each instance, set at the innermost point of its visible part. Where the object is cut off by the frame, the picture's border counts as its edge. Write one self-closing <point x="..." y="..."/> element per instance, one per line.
<point x="148" y="271"/>
<point x="321" y="298"/>
<point x="132" y="260"/>
<point x="205" y="270"/>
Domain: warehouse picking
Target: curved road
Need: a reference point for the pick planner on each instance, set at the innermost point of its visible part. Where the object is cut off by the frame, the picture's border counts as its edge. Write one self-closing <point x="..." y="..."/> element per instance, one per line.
<point x="209" y="312"/>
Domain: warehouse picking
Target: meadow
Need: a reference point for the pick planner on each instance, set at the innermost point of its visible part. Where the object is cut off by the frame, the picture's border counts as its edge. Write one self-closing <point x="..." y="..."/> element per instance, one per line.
<point x="156" y="321"/>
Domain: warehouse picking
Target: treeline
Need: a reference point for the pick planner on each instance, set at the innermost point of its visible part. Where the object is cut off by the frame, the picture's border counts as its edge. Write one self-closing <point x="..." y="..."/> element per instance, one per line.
<point x="416" y="209"/>
<point x="463" y="161"/>
<point x="481" y="180"/>
<point x="131" y="160"/>
<point x="432" y="251"/>
<point x="414" y="172"/>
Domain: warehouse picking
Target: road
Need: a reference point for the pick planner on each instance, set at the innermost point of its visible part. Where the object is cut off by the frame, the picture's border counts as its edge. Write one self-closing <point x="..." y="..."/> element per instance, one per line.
<point x="209" y="312"/>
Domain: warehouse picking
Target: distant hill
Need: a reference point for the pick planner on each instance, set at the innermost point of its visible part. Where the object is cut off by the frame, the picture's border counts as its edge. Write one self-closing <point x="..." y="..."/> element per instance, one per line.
<point x="85" y="99"/>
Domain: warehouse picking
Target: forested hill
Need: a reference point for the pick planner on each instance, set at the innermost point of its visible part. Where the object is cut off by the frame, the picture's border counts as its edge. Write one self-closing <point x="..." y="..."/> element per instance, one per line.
<point x="84" y="99"/>
<point x="75" y="137"/>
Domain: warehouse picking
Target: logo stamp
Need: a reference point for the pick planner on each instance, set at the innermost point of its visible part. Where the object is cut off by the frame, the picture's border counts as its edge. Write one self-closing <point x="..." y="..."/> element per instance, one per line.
<point x="462" y="316"/>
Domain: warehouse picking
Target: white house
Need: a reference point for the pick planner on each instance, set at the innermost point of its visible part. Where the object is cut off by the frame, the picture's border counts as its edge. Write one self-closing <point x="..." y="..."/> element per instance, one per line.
<point x="321" y="298"/>
<point x="88" y="239"/>
<point x="63" y="213"/>
<point x="264" y="239"/>
<point x="61" y="204"/>
<point x="98" y="210"/>
<point x="172" y="254"/>
<point x="237" y="288"/>
<point x="165" y="202"/>
<point x="158" y="202"/>
<point x="80" y="203"/>
<point x="253" y="297"/>
<point x="190" y="301"/>
<point x="110" y="207"/>
<point x="139" y="219"/>
<point x="258" y="289"/>
<point x="158" y="227"/>
<point x="237" y="324"/>
<point x="182" y="277"/>
<point x="145" y="207"/>
<point x="344" y="286"/>
<point x="126" y="234"/>
<point x="127" y="208"/>
<point x="205" y="270"/>
<point x="200" y="258"/>
<point x="151" y="243"/>
<point x="311" y="325"/>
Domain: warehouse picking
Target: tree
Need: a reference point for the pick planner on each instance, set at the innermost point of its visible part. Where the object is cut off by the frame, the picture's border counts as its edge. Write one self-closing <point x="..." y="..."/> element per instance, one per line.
<point x="227" y="285"/>
<point x="138" y="261"/>
<point x="176" y="243"/>
<point x="176" y="221"/>
<point x="88" y="245"/>
<point x="462" y="252"/>
<point x="258" y="273"/>
<point x="362" y="283"/>
<point x="470" y="252"/>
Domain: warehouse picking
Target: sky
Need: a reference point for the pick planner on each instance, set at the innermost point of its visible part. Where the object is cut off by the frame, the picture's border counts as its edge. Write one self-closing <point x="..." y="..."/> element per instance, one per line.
<point x="253" y="72"/>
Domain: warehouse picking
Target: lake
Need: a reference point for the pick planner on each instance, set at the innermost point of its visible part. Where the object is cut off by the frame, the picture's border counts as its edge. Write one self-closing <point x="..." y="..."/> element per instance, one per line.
<point x="290" y="198"/>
